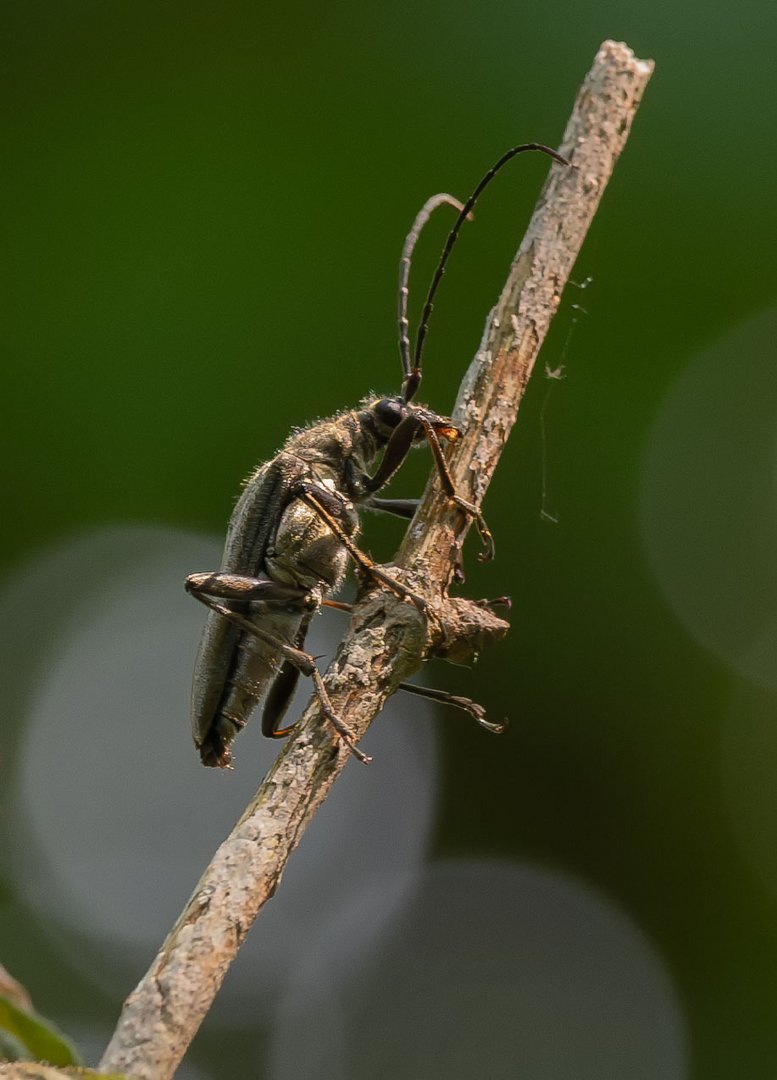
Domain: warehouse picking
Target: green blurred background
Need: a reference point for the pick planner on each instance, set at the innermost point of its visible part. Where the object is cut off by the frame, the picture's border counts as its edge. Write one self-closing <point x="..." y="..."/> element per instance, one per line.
<point x="203" y="210"/>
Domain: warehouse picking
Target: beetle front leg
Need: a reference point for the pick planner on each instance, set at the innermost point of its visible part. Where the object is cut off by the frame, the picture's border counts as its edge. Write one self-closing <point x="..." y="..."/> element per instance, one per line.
<point x="398" y="447"/>
<point x="450" y="490"/>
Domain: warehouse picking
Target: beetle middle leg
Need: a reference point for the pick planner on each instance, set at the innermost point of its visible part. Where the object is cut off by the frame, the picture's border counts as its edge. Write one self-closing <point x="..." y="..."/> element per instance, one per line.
<point x="477" y="712"/>
<point x="311" y="495"/>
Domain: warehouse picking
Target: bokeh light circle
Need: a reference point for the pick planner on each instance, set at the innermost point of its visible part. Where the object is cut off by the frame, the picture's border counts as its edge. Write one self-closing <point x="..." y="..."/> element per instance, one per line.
<point x="114" y="818"/>
<point x="491" y="970"/>
<point x="709" y="513"/>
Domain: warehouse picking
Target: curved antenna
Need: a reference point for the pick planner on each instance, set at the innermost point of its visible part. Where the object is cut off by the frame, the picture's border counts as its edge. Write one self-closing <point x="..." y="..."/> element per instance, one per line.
<point x="411" y="239"/>
<point x="415" y="372"/>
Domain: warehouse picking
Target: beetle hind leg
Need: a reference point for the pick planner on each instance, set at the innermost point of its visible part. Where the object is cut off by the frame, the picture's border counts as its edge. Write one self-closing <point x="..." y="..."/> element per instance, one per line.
<point x="295" y="657"/>
<point x="238" y="587"/>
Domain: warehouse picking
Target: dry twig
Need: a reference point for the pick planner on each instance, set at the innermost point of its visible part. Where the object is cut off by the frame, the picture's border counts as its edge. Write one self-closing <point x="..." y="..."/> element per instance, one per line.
<point x="388" y="639"/>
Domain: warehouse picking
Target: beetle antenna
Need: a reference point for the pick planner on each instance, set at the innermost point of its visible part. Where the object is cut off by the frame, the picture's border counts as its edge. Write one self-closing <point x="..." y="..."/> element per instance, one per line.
<point x="452" y="237"/>
<point x="413" y="377"/>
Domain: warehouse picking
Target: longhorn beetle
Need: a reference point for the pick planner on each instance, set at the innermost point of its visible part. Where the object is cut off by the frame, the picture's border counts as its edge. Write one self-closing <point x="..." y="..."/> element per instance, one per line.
<point x="294" y="527"/>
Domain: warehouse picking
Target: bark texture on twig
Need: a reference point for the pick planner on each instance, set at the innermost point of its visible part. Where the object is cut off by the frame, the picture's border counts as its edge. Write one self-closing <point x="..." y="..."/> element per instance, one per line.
<point x="388" y="640"/>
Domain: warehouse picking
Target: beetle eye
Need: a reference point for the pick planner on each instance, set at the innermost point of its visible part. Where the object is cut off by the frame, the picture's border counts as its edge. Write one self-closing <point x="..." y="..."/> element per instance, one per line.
<point x="389" y="411"/>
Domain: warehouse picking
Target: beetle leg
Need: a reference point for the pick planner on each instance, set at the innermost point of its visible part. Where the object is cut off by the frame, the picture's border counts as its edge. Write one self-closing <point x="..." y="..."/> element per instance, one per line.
<point x="397" y="449"/>
<point x="303" y="661"/>
<point x="404" y="508"/>
<point x="308" y="493"/>
<point x="448" y="487"/>
<point x="476" y="711"/>
<point x="247" y="589"/>
<point x="282" y="689"/>
<point x="338" y="605"/>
